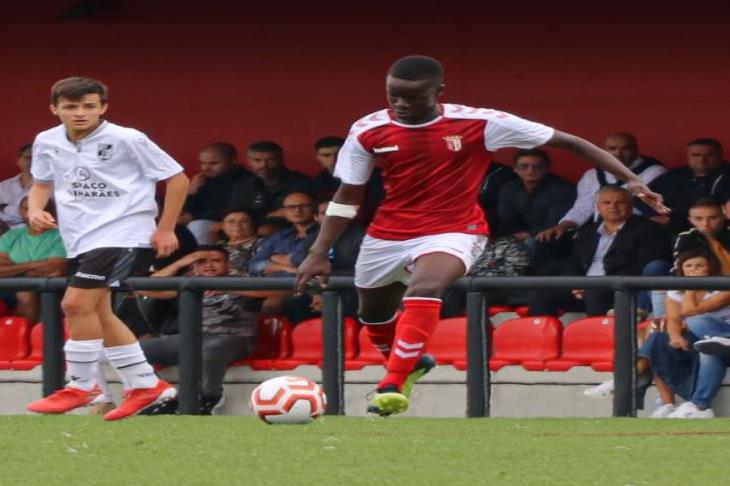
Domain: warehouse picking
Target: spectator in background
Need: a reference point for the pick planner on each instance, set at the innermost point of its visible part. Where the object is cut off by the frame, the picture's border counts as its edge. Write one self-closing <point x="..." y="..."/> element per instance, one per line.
<point x="325" y="183"/>
<point x="210" y="190"/>
<point x="625" y="148"/>
<point x="239" y="239"/>
<point x="16" y="188"/>
<point x="534" y="202"/>
<point x="325" y="151"/>
<point x="706" y="174"/>
<point x="25" y="252"/>
<point x="274" y="258"/>
<point x="621" y="244"/>
<point x="229" y="332"/>
<point x="709" y="232"/>
<point x="266" y="160"/>
<point x="497" y="176"/>
<point x="343" y="256"/>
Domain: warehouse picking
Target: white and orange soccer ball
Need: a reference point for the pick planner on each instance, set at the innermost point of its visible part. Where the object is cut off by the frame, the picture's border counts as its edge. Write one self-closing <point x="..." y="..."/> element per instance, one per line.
<point x="288" y="400"/>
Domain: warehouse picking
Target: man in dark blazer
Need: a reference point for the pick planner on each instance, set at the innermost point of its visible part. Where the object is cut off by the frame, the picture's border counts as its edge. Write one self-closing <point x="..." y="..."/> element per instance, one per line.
<point x="619" y="244"/>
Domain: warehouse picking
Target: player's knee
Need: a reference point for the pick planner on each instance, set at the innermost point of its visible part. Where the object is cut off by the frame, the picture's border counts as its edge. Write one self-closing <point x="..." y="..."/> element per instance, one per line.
<point x="375" y="316"/>
<point x="424" y="289"/>
<point x="75" y="306"/>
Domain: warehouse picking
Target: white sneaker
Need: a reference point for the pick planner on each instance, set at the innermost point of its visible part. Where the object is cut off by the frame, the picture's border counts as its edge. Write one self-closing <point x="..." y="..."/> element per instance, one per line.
<point x="689" y="410"/>
<point x="663" y="411"/>
<point x="715" y="345"/>
<point x="603" y="390"/>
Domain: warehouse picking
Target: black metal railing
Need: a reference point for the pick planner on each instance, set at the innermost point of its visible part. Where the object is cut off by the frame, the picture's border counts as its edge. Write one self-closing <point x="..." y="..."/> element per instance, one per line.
<point x="478" y="379"/>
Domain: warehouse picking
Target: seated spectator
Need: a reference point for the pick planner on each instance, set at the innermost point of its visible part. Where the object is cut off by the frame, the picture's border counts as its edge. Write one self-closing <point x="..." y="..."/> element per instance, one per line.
<point x="667" y="358"/>
<point x="16" y="188"/>
<point x="266" y="161"/>
<point x="343" y="256"/>
<point x="622" y="244"/>
<point x="325" y="183"/>
<point x="625" y="148"/>
<point x="709" y="232"/>
<point x="239" y="238"/>
<point x="496" y="177"/>
<point x="210" y="190"/>
<point x="706" y="174"/>
<point x="229" y="332"/>
<point x="534" y="202"/>
<point x="274" y="258"/>
<point x="708" y="317"/>
<point x="25" y="252"/>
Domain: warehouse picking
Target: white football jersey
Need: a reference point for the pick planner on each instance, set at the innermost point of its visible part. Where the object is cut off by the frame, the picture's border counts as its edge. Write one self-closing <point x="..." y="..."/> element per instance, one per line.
<point x="104" y="185"/>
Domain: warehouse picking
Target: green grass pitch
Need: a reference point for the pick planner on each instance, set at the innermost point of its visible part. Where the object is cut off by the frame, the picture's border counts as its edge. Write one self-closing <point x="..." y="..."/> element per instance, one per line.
<point x="69" y="450"/>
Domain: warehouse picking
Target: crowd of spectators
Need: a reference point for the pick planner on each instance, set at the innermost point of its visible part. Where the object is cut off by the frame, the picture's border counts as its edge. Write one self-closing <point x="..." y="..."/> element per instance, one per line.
<point x="262" y="217"/>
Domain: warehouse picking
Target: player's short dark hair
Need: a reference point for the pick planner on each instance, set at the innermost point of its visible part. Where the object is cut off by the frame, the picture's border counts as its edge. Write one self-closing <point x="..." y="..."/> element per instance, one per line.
<point x="266" y="146"/>
<point x="217" y="248"/>
<point x="710" y="142"/>
<point x="225" y="149"/>
<point x="706" y="202"/>
<point x="534" y="152"/>
<point x="418" y="68"/>
<point x="714" y="263"/>
<point x="24" y="147"/>
<point x="76" y="87"/>
<point x="331" y="141"/>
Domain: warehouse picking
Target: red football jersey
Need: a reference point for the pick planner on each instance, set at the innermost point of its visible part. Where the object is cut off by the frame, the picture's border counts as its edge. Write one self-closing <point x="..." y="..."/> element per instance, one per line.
<point x="432" y="172"/>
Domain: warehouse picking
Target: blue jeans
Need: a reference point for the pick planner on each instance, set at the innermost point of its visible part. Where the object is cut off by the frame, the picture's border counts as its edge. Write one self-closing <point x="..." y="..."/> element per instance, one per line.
<point x="712" y="368"/>
<point x="653" y="300"/>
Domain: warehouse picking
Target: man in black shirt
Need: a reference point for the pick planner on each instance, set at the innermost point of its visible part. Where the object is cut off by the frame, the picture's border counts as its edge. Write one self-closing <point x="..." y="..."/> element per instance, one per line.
<point x="706" y="174"/>
<point x="533" y="202"/>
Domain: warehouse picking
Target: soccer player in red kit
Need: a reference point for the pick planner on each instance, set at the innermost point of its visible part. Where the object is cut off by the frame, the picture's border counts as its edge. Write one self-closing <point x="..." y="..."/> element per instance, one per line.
<point x="429" y="229"/>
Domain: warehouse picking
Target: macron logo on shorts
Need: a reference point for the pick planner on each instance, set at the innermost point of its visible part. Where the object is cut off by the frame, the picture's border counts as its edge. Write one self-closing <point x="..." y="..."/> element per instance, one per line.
<point x="89" y="276"/>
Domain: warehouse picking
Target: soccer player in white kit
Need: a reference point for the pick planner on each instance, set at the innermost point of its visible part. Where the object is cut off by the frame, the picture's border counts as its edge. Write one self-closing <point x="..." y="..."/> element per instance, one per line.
<point x="103" y="179"/>
<point x="429" y="229"/>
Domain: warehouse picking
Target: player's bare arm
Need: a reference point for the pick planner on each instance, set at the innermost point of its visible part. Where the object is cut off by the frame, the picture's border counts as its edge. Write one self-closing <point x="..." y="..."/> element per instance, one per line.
<point x="40" y="193"/>
<point x="164" y="239"/>
<point x="603" y="160"/>
<point x="317" y="264"/>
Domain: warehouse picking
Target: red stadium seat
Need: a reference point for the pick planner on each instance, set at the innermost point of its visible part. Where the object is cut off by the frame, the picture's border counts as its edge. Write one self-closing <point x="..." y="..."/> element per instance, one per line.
<point x="586" y="342"/>
<point x="522" y="310"/>
<point x="497" y="309"/>
<point x="448" y="343"/>
<point x="36" y="348"/>
<point x="272" y="342"/>
<point x="306" y="344"/>
<point x="526" y="341"/>
<point x="14" y="340"/>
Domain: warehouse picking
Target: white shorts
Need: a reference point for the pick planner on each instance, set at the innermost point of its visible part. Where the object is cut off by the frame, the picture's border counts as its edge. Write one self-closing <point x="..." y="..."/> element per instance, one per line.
<point x="383" y="262"/>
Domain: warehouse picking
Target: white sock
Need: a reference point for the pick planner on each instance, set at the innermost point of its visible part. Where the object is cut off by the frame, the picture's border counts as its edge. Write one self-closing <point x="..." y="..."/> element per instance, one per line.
<point x="132" y="366"/>
<point x="82" y="358"/>
<point x="101" y="379"/>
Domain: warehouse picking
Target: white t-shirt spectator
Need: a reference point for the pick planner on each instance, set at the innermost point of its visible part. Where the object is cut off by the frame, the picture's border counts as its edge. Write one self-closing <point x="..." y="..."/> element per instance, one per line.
<point x="104" y="185"/>
<point x="11" y="193"/>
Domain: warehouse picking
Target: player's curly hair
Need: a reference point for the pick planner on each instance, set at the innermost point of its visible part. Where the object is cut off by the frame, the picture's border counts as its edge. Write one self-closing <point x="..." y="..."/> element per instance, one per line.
<point x="417" y="68"/>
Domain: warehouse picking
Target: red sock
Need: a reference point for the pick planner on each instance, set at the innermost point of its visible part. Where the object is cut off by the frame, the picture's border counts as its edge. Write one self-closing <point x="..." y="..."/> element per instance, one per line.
<point x="415" y="327"/>
<point x="382" y="334"/>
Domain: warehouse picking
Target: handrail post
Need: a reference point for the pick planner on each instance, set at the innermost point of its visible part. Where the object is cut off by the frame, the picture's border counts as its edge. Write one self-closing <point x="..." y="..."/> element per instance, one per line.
<point x="624" y="369"/>
<point x="478" y="380"/>
<point x="50" y="316"/>
<point x="190" y="317"/>
<point x="333" y="353"/>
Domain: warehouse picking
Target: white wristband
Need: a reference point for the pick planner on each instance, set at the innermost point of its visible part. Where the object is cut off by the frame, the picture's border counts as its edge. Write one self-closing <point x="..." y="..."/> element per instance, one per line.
<point x="348" y="211"/>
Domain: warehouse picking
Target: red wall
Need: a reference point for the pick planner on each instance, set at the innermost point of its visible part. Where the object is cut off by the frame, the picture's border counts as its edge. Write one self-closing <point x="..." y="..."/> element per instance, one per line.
<point x="189" y="73"/>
